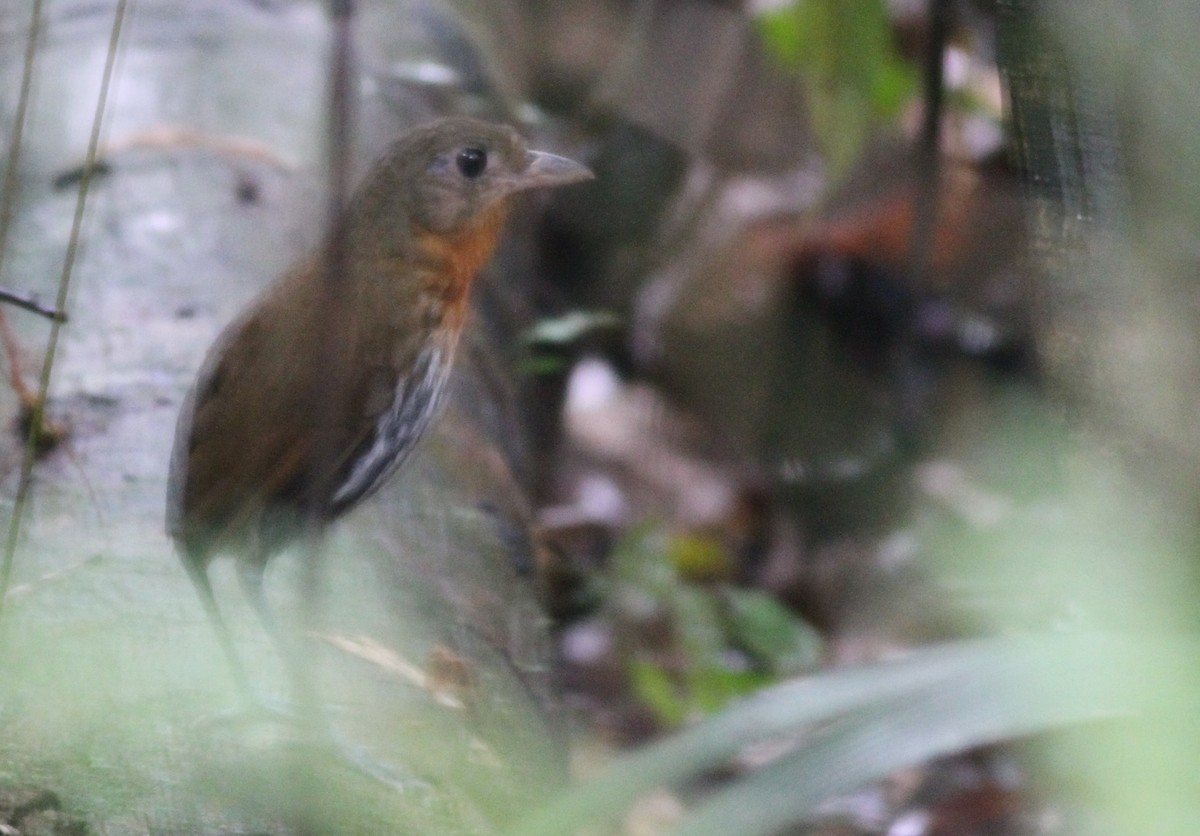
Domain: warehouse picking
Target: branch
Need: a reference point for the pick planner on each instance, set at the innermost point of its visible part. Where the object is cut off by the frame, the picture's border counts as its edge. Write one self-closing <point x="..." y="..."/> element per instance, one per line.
<point x="31" y="303"/>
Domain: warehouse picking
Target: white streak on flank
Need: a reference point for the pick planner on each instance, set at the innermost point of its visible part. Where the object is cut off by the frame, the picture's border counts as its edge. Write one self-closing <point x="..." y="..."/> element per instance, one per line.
<point x="416" y="403"/>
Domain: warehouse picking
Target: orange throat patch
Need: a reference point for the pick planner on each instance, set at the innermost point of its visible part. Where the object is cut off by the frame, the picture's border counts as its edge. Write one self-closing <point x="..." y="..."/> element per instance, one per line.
<point x="460" y="257"/>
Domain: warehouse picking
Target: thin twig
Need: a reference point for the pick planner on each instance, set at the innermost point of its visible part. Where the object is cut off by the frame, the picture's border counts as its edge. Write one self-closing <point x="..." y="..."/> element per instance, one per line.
<point x="64" y="284"/>
<point x="52" y="577"/>
<point x="13" y="353"/>
<point x="336" y="264"/>
<point x="928" y="144"/>
<point x="9" y="199"/>
<point x="337" y="256"/>
<point x="14" y="148"/>
<point x="6" y="213"/>
<point x="912" y="376"/>
<point x="31" y="303"/>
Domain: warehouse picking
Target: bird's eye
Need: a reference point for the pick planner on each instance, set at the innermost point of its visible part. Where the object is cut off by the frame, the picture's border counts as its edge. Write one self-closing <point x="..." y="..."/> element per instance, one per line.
<point x="471" y="162"/>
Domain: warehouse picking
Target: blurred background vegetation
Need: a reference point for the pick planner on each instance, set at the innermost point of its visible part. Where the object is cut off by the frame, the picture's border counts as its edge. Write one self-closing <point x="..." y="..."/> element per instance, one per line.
<point x="828" y="465"/>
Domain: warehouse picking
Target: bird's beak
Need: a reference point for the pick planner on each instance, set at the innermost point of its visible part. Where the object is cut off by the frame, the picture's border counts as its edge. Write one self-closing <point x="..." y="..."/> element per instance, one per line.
<point x="551" y="170"/>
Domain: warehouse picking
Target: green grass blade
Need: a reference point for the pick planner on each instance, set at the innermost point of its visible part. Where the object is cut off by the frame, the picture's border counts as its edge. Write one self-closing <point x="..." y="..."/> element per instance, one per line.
<point x="936" y="700"/>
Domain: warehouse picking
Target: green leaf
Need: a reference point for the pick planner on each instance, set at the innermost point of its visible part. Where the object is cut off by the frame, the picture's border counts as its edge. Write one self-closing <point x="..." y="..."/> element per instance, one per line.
<point x="843" y="53"/>
<point x="702" y="690"/>
<point x="570" y="327"/>
<point x="712" y="688"/>
<point x="771" y="633"/>
<point x="543" y="364"/>
<point x="700" y="628"/>
<point x="700" y="556"/>
<point x="655" y="687"/>
<point x="638" y="559"/>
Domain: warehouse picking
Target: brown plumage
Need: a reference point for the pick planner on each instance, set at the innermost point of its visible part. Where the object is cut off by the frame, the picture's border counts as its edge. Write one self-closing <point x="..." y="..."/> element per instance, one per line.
<point x="304" y="408"/>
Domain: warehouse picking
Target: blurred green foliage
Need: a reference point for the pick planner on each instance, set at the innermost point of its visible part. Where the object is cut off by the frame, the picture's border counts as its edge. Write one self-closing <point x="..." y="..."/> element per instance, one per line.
<point x="570" y="328"/>
<point x="861" y="723"/>
<point x="771" y="633"/>
<point x="552" y="342"/>
<point x="715" y="641"/>
<point x="1070" y="540"/>
<point x="844" y="54"/>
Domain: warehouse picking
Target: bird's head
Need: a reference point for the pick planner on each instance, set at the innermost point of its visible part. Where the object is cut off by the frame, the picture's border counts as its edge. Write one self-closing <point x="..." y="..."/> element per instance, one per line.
<point x="445" y="176"/>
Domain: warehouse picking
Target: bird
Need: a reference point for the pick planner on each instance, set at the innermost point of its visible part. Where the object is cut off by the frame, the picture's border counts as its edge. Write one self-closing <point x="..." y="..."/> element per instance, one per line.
<point x="315" y="395"/>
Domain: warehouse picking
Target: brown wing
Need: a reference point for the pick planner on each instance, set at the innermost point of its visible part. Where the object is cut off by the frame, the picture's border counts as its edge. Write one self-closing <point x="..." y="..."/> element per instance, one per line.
<point x="292" y="373"/>
<point x="248" y="433"/>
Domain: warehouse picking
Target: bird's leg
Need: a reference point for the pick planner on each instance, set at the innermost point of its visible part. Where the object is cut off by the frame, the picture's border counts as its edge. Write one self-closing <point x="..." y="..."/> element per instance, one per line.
<point x="250" y="573"/>
<point x="312" y="713"/>
<point x="198" y="571"/>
